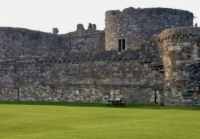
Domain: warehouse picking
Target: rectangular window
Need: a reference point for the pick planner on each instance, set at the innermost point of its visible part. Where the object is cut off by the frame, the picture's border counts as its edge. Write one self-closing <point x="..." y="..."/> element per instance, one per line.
<point x="121" y="45"/>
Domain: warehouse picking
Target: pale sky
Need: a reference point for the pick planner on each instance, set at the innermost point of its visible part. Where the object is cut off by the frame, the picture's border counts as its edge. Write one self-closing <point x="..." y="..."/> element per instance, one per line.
<point x="44" y="15"/>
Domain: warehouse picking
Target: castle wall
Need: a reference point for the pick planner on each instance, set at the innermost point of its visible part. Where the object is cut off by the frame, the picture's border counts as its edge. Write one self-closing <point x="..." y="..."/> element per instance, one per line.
<point x="74" y="67"/>
<point x="180" y="59"/>
<point x="87" y="42"/>
<point x="82" y="40"/>
<point x="137" y="26"/>
<point x="134" y="77"/>
<point x="17" y="43"/>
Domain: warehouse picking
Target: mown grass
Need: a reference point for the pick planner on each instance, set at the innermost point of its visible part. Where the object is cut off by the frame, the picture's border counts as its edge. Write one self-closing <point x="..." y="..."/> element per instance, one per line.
<point x="79" y="104"/>
<point x="59" y="121"/>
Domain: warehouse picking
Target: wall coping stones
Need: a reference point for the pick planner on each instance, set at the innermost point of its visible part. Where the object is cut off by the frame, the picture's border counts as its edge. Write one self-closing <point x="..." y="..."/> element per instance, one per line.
<point x="83" y="35"/>
<point x="182" y="32"/>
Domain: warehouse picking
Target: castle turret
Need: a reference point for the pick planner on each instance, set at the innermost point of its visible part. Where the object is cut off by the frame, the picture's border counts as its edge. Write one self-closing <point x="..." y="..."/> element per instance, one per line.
<point x="55" y="31"/>
<point x="89" y="26"/>
<point x="80" y="29"/>
<point x="131" y="27"/>
<point x="94" y="26"/>
<point x="181" y="64"/>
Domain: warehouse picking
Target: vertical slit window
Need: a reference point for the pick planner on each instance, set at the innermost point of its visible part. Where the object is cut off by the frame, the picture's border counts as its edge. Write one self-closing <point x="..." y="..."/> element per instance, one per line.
<point x="155" y="97"/>
<point x="119" y="45"/>
<point x="123" y="44"/>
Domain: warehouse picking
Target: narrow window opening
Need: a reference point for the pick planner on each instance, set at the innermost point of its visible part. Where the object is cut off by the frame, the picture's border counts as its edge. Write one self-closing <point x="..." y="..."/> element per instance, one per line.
<point x="123" y="44"/>
<point x="155" y="97"/>
<point x="18" y="94"/>
<point x="119" y="45"/>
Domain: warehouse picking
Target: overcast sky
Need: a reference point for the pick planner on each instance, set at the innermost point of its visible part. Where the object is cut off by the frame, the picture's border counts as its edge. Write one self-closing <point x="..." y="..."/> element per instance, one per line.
<point x="44" y="15"/>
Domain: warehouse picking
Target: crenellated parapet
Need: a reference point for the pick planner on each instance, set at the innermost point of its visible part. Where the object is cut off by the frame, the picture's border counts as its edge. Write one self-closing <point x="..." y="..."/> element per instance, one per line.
<point x="82" y="39"/>
<point x="82" y="31"/>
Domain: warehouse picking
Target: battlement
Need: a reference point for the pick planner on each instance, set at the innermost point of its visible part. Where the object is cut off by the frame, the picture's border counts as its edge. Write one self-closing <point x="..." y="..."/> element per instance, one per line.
<point x="92" y="28"/>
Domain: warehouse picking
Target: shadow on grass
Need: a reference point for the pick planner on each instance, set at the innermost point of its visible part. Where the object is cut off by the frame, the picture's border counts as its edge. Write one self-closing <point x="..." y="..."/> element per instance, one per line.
<point x="79" y="104"/>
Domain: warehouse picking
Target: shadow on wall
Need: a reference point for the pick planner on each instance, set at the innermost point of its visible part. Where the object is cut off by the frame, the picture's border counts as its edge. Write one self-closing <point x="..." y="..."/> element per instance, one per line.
<point x="192" y="86"/>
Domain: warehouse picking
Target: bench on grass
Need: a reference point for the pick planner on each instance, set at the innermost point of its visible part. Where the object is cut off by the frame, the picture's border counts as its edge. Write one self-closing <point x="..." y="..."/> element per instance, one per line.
<point x="115" y="102"/>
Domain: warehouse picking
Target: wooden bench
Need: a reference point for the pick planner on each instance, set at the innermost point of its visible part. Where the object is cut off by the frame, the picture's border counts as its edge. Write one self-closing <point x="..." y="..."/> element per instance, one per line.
<point x="115" y="102"/>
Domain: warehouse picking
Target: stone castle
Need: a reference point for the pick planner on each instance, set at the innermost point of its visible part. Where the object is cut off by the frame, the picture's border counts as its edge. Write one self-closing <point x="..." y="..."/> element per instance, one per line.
<point x="143" y="56"/>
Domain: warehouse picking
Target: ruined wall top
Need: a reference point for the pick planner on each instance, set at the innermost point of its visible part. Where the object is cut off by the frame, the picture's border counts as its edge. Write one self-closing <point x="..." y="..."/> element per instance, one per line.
<point x="182" y="31"/>
<point x="80" y="27"/>
<point x="20" y="43"/>
<point x="55" y="31"/>
<point x="149" y="11"/>
<point x="82" y="31"/>
<point x="137" y="26"/>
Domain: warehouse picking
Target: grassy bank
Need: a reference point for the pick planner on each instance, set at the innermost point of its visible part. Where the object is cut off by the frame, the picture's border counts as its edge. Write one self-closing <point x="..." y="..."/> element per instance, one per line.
<point x="76" y="104"/>
<point x="51" y="121"/>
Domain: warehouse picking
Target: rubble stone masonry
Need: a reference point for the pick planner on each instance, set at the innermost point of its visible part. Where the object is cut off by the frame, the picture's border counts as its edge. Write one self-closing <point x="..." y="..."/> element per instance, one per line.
<point x="137" y="26"/>
<point x="180" y="59"/>
<point x="91" y="79"/>
<point x="160" y="63"/>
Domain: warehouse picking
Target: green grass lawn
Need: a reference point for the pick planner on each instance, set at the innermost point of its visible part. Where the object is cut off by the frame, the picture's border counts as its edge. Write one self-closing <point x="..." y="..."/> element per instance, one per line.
<point x="69" y="122"/>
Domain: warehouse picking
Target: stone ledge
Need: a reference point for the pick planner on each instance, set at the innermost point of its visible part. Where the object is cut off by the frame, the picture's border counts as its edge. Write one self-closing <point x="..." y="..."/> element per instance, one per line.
<point x="182" y="32"/>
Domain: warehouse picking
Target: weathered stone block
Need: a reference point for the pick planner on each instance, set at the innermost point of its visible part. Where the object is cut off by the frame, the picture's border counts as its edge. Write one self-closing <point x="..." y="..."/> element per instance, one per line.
<point x="178" y="62"/>
<point x="186" y="44"/>
<point x="152" y="100"/>
<point x="179" y="94"/>
<point x="175" y="48"/>
<point x="158" y="100"/>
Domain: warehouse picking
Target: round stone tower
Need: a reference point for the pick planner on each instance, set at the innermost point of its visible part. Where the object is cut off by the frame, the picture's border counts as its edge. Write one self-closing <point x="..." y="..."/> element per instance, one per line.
<point x="181" y="55"/>
<point x="131" y="27"/>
